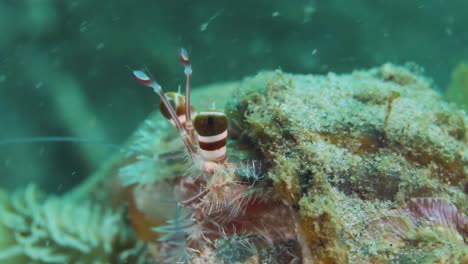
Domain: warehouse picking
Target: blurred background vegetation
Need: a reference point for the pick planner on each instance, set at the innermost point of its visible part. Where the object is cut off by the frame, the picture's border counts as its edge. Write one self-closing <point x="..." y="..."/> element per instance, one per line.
<point x="63" y="64"/>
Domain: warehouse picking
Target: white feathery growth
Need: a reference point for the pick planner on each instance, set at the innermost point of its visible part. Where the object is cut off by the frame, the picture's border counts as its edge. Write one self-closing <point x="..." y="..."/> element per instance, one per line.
<point x="251" y="170"/>
<point x="57" y="230"/>
<point x="147" y="168"/>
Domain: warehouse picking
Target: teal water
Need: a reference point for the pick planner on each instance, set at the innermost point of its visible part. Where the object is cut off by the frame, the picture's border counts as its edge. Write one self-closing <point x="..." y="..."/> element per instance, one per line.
<point x="64" y="64"/>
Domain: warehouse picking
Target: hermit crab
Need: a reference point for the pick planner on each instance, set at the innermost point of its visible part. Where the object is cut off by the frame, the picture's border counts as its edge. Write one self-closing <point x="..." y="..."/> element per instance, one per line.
<point x="206" y="136"/>
<point x="221" y="209"/>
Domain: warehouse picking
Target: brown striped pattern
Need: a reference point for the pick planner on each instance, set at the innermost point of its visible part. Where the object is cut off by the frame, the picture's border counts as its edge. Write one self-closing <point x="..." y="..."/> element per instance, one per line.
<point x="210" y="146"/>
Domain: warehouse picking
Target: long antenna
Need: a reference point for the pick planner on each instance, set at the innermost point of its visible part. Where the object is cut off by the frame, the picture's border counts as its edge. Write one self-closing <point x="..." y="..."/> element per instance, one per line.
<point x="59" y="139"/>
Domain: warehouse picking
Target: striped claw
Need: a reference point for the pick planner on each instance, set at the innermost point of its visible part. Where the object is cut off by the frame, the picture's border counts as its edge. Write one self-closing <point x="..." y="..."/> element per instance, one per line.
<point x="212" y="130"/>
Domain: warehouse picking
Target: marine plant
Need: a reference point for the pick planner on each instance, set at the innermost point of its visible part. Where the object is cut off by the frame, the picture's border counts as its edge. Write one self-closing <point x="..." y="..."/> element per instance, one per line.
<point x="35" y="229"/>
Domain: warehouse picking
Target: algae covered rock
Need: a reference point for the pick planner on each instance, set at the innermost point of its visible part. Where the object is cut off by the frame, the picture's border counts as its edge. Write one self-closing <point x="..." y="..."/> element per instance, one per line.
<point x="370" y="133"/>
<point x="347" y="148"/>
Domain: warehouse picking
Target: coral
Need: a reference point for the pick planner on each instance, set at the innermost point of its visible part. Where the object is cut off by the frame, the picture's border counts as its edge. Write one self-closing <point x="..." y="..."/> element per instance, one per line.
<point x="53" y="230"/>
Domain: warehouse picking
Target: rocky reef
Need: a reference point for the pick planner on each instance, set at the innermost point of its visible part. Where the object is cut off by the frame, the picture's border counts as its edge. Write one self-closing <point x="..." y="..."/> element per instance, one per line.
<point x="367" y="167"/>
<point x="348" y="148"/>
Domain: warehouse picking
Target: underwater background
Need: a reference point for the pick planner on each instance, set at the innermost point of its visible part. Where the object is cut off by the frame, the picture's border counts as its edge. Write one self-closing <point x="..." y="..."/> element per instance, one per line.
<point x="64" y="64"/>
<point x="347" y="139"/>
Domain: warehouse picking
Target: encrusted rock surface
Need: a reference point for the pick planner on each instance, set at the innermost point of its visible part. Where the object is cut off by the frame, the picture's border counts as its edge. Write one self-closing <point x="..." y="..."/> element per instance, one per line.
<point x="347" y="148"/>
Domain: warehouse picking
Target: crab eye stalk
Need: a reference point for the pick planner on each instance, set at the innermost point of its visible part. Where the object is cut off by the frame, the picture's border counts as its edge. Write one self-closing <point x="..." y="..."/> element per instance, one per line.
<point x="212" y="129"/>
<point x="185" y="60"/>
<point x="145" y="79"/>
<point x="184" y="57"/>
